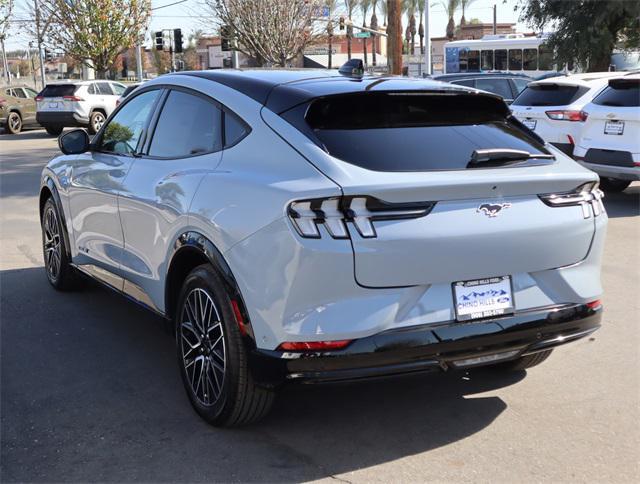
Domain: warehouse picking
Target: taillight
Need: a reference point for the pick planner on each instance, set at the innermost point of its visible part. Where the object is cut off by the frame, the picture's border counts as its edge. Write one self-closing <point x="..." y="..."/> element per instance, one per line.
<point x="594" y="304"/>
<point x="314" y="345"/>
<point x="588" y="196"/>
<point x="361" y="211"/>
<point x="118" y="102"/>
<point x="567" y="115"/>
<point x="39" y="98"/>
<point x="72" y="98"/>
<point x="2" y="100"/>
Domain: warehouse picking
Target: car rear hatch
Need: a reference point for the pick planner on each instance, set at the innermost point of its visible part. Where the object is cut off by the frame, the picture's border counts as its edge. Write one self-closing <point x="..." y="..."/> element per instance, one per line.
<point x="614" y="123"/>
<point x="435" y="190"/>
<point x="541" y="105"/>
<point x="57" y="97"/>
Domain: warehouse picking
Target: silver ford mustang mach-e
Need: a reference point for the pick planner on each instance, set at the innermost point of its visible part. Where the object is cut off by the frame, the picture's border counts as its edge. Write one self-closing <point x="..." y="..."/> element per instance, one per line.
<point x="307" y="226"/>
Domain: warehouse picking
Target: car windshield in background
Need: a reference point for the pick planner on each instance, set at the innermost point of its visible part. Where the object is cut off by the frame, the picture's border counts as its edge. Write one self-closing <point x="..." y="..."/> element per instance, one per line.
<point x="549" y="95"/>
<point x="622" y="93"/>
<point x="58" y="90"/>
<point x="414" y="132"/>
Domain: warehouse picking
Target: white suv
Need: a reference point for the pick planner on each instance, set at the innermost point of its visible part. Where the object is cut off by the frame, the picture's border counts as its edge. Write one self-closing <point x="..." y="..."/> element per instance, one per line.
<point x="553" y="107"/>
<point x="610" y="140"/>
<point x="84" y="103"/>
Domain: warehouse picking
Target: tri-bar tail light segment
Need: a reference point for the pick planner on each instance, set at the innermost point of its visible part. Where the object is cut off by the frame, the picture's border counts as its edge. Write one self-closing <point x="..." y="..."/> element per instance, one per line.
<point x="336" y="212"/>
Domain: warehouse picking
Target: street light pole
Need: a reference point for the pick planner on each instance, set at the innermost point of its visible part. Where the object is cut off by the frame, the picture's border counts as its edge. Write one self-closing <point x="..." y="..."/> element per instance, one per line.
<point x="427" y="38"/>
<point x="5" y="64"/>
<point x="39" y="39"/>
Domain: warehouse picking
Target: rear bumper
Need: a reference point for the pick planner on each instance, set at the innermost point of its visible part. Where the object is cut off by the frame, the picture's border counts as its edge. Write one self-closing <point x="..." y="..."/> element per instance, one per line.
<point x="62" y="118"/>
<point x="430" y="347"/>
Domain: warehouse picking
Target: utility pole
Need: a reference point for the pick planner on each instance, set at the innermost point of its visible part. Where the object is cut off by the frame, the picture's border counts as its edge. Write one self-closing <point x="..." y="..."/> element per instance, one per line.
<point x="33" y="66"/>
<point x="39" y="39"/>
<point x="495" y="24"/>
<point x="139" y="60"/>
<point x="394" y="38"/>
<point x="427" y="38"/>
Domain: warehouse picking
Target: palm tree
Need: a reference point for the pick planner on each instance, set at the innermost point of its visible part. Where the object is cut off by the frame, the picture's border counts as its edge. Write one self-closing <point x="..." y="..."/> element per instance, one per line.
<point x="411" y="13"/>
<point x="364" y="7"/>
<point x="331" y="4"/>
<point x="463" y="5"/>
<point x="450" y="7"/>
<point x="374" y="26"/>
<point x="383" y="12"/>
<point x="351" y="6"/>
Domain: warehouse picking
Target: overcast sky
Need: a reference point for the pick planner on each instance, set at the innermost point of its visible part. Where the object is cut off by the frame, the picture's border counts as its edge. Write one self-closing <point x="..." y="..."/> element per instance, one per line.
<point x="190" y="16"/>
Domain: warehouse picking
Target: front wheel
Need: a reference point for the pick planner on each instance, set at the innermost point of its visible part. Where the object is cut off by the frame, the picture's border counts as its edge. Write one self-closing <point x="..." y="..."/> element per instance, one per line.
<point x="14" y="123"/>
<point x="56" y="260"/>
<point x="212" y="356"/>
<point x="613" y="184"/>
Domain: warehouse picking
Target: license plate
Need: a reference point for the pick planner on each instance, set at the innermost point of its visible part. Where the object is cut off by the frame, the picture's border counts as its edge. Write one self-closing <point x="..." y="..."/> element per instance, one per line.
<point x="483" y="298"/>
<point x="614" y="127"/>
<point x="530" y="123"/>
<point x="53" y="105"/>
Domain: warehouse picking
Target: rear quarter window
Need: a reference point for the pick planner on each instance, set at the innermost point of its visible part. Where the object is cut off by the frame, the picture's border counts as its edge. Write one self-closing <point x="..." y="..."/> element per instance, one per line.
<point x="550" y="95"/>
<point x="396" y="132"/>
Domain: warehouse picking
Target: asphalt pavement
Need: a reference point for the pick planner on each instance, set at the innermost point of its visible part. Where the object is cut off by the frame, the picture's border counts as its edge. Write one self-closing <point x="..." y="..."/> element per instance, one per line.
<point x="90" y="389"/>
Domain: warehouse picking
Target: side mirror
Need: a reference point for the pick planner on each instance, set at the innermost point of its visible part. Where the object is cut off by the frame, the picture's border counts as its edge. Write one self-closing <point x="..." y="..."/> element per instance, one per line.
<point x="74" y="142"/>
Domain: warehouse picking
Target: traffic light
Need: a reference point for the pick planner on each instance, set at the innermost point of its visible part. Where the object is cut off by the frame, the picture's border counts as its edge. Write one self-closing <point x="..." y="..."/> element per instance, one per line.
<point x="225" y="34"/>
<point x="341" y="23"/>
<point x="48" y="55"/>
<point x="177" y="40"/>
<point x="159" y="41"/>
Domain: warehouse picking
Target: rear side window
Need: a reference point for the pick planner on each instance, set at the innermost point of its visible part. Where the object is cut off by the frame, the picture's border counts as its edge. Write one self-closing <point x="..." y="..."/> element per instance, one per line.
<point x="104" y="88"/>
<point x="621" y="93"/>
<point x="549" y="95"/>
<point x="464" y="82"/>
<point x="58" y="90"/>
<point x="500" y="87"/>
<point x="413" y="132"/>
<point x="234" y="129"/>
<point x="118" y="88"/>
<point x="188" y="125"/>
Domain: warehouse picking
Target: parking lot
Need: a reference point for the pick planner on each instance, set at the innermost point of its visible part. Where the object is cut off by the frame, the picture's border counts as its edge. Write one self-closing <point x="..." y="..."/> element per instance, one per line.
<point x="91" y="390"/>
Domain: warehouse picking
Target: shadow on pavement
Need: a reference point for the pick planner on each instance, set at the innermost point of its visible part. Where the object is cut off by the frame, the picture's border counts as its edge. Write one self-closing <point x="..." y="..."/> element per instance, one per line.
<point x="623" y="204"/>
<point x="91" y="391"/>
<point x="27" y="134"/>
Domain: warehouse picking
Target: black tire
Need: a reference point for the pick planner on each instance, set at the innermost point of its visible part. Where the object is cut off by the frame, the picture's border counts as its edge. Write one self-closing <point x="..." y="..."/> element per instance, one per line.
<point x="214" y="364"/>
<point x="524" y="362"/>
<point x="613" y="184"/>
<point x="14" y="123"/>
<point x="96" y="120"/>
<point x="54" y="130"/>
<point x="60" y="273"/>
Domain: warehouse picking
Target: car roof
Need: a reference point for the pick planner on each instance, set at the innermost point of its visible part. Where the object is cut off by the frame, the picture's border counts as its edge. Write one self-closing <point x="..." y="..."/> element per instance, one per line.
<point x="464" y="75"/>
<point x="587" y="79"/>
<point x="282" y="89"/>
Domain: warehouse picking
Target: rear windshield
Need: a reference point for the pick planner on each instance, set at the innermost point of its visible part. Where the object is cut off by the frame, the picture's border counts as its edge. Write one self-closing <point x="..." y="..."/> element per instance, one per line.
<point x="413" y="132"/>
<point x="621" y="93"/>
<point x="549" y="95"/>
<point x="58" y="90"/>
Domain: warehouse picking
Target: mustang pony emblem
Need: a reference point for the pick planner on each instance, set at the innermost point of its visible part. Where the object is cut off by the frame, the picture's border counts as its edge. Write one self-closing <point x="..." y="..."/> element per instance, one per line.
<point x="492" y="209"/>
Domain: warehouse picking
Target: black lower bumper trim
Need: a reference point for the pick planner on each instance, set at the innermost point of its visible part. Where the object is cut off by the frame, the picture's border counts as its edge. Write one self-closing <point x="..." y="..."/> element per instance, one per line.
<point x="430" y="347"/>
<point x="61" y="118"/>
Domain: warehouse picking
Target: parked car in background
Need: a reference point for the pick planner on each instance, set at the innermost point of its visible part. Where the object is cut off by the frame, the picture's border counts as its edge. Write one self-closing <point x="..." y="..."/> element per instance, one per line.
<point x="553" y="108"/>
<point x="609" y="143"/>
<point x="293" y="228"/>
<point x="128" y="90"/>
<point x="504" y="84"/>
<point x="83" y="103"/>
<point x="17" y="108"/>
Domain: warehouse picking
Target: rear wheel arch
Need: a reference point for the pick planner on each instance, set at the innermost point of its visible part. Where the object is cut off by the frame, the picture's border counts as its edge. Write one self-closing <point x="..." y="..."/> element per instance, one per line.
<point x="191" y="250"/>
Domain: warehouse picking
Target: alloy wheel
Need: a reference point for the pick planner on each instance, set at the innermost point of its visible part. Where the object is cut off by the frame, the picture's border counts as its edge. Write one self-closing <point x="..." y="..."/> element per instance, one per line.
<point x="52" y="245"/>
<point x="14" y="122"/>
<point x="98" y="121"/>
<point x="201" y="338"/>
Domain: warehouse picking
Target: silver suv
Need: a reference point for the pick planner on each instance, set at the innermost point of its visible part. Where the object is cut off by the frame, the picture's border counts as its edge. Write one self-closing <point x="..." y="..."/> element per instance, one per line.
<point x="79" y="103"/>
<point x="301" y="226"/>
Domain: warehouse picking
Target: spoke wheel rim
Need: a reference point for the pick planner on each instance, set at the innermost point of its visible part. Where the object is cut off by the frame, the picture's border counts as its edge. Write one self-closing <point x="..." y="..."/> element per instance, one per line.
<point x="98" y="121"/>
<point x="203" y="350"/>
<point x="14" y="122"/>
<point x="52" y="243"/>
